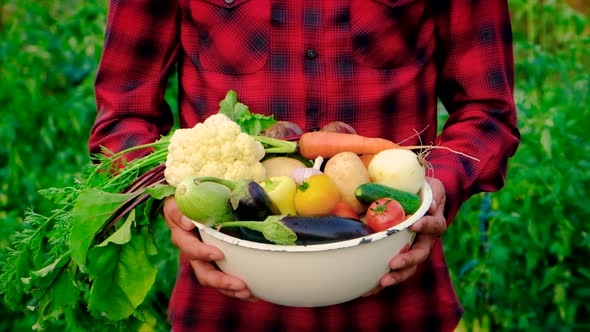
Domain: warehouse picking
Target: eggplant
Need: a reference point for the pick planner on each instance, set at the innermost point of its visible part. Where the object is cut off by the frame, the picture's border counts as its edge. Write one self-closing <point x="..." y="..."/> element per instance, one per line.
<point x="325" y="229"/>
<point x="248" y="199"/>
<point x="307" y="230"/>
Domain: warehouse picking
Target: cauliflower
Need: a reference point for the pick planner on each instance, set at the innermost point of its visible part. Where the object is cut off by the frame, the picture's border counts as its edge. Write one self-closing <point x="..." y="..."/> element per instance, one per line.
<point x="217" y="147"/>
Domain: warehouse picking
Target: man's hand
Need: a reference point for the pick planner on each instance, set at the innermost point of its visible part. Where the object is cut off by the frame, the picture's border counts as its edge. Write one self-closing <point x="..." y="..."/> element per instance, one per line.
<point x="201" y="255"/>
<point x="428" y="229"/>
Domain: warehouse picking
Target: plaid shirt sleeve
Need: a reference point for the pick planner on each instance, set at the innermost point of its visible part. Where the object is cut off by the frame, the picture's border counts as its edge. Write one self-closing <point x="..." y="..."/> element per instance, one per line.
<point x="141" y="44"/>
<point x="476" y="88"/>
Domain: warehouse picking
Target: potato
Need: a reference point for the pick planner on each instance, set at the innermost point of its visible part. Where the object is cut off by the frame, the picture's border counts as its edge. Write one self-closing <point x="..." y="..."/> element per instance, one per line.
<point x="279" y="166"/>
<point x="347" y="170"/>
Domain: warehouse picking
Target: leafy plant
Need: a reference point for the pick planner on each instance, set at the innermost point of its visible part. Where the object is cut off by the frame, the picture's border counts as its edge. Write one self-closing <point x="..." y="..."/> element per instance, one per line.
<point x="523" y="249"/>
<point x="48" y="57"/>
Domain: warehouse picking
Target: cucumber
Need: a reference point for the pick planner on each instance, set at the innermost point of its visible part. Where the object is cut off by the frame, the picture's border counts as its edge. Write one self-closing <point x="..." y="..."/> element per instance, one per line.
<point x="370" y="192"/>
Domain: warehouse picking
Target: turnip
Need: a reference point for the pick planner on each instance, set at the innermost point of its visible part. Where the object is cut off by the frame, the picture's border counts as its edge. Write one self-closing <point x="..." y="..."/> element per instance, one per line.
<point x="205" y="202"/>
<point x="401" y="169"/>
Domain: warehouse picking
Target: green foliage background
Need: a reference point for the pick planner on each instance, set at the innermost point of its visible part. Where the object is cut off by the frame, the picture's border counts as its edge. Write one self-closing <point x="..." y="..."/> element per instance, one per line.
<point x="518" y="257"/>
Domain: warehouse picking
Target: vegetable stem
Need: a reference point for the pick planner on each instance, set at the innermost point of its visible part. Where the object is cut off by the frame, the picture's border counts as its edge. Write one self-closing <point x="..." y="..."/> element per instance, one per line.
<point x="159" y="145"/>
<point x="137" y="166"/>
<point x="155" y="174"/>
<point x="124" y="209"/>
<point x="229" y="184"/>
<point x="271" y="228"/>
<point x="275" y="145"/>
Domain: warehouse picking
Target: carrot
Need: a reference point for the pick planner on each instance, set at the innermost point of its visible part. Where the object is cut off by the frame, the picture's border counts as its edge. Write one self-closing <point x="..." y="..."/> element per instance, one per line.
<point x="328" y="144"/>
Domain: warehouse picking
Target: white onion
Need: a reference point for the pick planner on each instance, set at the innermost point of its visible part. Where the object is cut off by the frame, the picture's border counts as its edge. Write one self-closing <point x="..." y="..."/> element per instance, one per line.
<point x="398" y="168"/>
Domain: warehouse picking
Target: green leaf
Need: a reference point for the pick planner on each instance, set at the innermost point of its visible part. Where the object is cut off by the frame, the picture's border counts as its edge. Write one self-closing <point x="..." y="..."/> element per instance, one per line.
<point x="43" y="278"/>
<point x="546" y="142"/>
<point x="227" y="105"/>
<point x="91" y="211"/>
<point x="63" y="295"/>
<point x="122" y="274"/>
<point x="251" y="123"/>
<point x="147" y="320"/>
<point x="161" y="191"/>
<point x="241" y="110"/>
<point x="254" y="124"/>
<point x="123" y="234"/>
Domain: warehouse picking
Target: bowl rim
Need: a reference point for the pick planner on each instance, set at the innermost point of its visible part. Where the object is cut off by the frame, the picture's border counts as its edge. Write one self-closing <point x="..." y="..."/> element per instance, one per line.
<point x="425" y="194"/>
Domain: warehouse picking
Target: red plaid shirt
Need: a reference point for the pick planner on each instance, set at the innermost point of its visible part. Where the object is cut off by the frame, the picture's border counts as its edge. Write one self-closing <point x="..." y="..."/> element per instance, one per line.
<point x="379" y="65"/>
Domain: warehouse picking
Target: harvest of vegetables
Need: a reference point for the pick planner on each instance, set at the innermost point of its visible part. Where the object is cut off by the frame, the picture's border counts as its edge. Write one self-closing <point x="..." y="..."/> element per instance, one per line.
<point x="91" y="254"/>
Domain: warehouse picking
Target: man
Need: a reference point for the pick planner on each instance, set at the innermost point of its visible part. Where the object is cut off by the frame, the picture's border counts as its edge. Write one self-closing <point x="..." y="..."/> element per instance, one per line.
<point x="378" y="65"/>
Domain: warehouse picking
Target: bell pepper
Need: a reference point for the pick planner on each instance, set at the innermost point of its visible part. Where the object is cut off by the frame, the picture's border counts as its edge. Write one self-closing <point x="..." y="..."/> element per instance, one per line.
<point x="281" y="190"/>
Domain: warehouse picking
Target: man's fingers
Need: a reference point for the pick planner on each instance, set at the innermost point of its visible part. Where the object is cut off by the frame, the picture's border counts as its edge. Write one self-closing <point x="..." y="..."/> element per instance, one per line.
<point x="209" y="276"/>
<point x="185" y="240"/>
<point x="397" y="276"/>
<point x="192" y="248"/>
<point x="373" y="291"/>
<point x="200" y="255"/>
<point x="433" y="225"/>
<point x="429" y="228"/>
<point x="418" y="254"/>
<point x="434" y="221"/>
<point x="174" y="217"/>
<point x="403" y="266"/>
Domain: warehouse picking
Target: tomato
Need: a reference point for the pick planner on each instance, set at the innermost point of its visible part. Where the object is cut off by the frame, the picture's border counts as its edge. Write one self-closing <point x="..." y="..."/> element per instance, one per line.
<point x="343" y="209"/>
<point x="316" y="196"/>
<point x="384" y="213"/>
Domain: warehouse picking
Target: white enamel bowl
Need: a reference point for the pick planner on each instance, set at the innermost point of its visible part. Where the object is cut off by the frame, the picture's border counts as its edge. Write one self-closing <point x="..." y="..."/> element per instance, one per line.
<point x="314" y="275"/>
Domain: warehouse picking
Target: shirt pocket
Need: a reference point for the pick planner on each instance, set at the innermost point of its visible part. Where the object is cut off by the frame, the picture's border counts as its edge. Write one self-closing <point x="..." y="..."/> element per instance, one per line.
<point x="233" y="35"/>
<point x="385" y="33"/>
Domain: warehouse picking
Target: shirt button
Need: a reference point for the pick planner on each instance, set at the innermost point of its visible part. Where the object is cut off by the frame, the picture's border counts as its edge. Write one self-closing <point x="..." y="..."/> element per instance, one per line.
<point x="311" y="54"/>
<point x="229" y="2"/>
